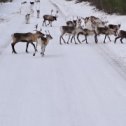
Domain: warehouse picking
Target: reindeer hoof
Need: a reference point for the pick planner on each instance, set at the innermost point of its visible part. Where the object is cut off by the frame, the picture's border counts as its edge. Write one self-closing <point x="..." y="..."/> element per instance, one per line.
<point x="33" y="54"/>
<point x="42" y="54"/>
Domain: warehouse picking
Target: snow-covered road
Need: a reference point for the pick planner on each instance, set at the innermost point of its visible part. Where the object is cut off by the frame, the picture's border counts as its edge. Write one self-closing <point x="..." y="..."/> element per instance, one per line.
<point x="73" y="85"/>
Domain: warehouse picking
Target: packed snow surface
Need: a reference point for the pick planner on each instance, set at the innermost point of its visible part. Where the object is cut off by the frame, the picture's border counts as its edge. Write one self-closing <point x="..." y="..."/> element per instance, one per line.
<point x="72" y="85"/>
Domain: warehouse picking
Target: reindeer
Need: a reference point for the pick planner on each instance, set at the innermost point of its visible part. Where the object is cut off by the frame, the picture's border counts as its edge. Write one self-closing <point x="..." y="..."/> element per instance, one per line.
<point x="70" y="23"/>
<point x="85" y="32"/>
<point x="121" y="35"/>
<point x="75" y="22"/>
<point x="49" y="18"/>
<point x="64" y="30"/>
<point x="92" y="20"/>
<point x="67" y="30"/>
<point x="107" y="30"/>
<point x="72" y="28"/>
<point x="43" y="43"/>
<point x="25" y="37"/>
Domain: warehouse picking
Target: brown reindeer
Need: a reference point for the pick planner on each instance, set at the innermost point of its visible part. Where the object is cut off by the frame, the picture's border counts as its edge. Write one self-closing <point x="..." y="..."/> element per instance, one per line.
<point x="121" y="35"/>
<point x="25" y="37"/>
<point x="49" y="18"/>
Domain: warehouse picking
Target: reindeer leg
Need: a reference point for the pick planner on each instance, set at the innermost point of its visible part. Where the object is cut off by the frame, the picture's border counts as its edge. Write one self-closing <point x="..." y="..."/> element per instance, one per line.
<point x="96" y="39"/>
<point x="42" y="49"/>
<point x="121" y="40"/>
<point x="48" y="23"/>
<point x="71" y="40"/>
<point x="44" y="23"/>
<point x="51" y="23"/>
<point x="78" y="38"/>
<point x="60" y="40"/>
<point x="35" y="47"/>
<point x="109" y="38"/>
<point x="86" y="39"/>
<point x="61" y="37"/>
<point x="13" y="49"/>
<point x="68" y="39"/>
<point x="104" y="38"/>
<point x="116" y="39"/>
<point x="74" y="39"/>
<point x="27" y="47"/>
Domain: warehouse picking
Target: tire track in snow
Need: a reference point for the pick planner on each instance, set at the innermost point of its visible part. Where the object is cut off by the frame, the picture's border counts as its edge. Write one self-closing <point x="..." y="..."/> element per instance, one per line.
<point x="59" y="8"/>
<point x="112" y="59"/>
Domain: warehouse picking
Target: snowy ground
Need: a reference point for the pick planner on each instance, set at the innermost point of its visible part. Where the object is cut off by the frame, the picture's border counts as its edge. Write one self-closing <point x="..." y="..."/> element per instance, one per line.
<point x="73" y="85"/>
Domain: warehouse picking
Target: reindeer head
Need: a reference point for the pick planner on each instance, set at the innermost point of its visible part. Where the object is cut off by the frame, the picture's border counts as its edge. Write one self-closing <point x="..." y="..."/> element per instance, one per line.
<point x="38" y="32"/>
<point x="48" y="36"/>
<point x="117" y="29"/>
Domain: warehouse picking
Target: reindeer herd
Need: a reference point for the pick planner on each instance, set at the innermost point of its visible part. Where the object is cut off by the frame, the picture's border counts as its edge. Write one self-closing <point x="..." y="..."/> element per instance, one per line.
<point x="93" y="26"/>
<point x="73" y="28"/>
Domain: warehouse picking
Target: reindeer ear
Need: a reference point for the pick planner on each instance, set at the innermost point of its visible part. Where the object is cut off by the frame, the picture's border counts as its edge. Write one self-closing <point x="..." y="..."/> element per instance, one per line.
<point x="119" y="25"/>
